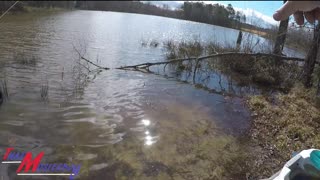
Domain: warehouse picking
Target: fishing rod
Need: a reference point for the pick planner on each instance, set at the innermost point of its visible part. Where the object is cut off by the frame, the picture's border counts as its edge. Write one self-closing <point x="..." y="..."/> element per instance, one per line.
<point x="8" y="9"/>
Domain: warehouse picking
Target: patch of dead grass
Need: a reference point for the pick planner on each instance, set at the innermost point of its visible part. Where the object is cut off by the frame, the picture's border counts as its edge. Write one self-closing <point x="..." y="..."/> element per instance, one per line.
<point x="282" y="125"/>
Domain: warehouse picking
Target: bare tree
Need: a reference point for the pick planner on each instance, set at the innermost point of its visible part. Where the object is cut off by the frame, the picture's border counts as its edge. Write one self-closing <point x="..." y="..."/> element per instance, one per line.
<point x="281" y="36"/>
<point x="311" y="58"/>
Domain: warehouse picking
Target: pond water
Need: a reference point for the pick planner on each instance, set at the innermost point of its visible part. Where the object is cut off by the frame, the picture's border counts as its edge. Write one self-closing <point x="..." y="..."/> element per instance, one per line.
<point x="97" y="119"/>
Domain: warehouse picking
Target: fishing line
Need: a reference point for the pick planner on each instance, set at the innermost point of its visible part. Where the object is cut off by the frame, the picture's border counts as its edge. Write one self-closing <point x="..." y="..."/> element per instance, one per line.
<point x="8" y="9"/>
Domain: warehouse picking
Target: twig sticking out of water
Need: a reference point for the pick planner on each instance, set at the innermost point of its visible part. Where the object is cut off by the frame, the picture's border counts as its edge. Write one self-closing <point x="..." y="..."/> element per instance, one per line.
<point x="4" y="90"/>
<point x="105" y="68"/>
<point x="8" y="9"/>
<point x="147" y="65"/>
<point x="44" y="91"/>
<point x="87" y="60"/>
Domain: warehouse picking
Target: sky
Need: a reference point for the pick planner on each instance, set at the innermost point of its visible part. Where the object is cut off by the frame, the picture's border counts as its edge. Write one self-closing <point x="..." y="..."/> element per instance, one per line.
<point x="264" y="9"/>
<point x="261" y="9"/>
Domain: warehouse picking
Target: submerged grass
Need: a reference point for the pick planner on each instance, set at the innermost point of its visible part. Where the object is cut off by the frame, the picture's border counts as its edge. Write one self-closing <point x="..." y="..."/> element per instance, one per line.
<point x="282" y="125"/>
<point x="25" y="59"/>
<point x="189" y="146"/>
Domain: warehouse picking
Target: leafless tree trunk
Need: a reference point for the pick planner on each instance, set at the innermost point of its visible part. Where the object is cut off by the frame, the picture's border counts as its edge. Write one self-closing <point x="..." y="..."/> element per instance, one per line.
<point x="281" y="36"/>
<point x="311" y="58"/>
<point x="239" y="40"/>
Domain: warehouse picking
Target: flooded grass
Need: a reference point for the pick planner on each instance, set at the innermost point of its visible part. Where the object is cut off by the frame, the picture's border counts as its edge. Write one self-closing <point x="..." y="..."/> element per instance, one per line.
<point x="263" y="71"/>
<point x="44" y="92"/>
<point x="25" y="59"/>
<point x="150" y="43"/>
<point x="4" y="91"/>
<point x="154" y="43"/>
<point x="183" y="49"/>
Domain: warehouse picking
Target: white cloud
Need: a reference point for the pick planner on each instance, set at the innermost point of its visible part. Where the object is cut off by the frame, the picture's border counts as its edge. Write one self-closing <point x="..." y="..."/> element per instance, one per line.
<point x="252" y="16"/>
<point x="253" y="13"/>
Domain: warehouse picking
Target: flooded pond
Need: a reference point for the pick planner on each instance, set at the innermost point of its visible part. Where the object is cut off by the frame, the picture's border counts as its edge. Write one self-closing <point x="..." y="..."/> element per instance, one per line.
<point x="117" y="124"/>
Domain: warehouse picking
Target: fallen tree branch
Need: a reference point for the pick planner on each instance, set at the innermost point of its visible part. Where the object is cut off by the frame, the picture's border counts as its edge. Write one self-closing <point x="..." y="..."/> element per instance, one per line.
<point x="94" y="63"/>
<point x="84" y="66"/>
<point x="83" y="58"/>
<point x="147" y="65"/>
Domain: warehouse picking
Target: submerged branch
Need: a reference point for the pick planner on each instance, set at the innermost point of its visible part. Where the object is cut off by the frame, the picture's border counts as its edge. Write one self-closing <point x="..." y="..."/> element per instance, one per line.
<point x="84" y="66"/>
<point x="147" y="65"/>
<point x="83" y="58"/>
<point x="106" y="68"/>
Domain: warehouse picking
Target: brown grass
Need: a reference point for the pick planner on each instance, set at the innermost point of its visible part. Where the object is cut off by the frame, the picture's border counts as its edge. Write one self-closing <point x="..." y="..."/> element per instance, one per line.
<point x="260" y="33"/>
<point x="283" y="124"/>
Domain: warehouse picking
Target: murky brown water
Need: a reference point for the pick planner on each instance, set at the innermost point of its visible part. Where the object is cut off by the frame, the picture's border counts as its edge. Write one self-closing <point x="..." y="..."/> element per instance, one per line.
<point x="116" y="124"/>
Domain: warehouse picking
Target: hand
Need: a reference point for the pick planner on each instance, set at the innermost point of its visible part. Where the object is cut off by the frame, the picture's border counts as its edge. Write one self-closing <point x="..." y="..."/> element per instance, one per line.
<point x="300" y="9"/>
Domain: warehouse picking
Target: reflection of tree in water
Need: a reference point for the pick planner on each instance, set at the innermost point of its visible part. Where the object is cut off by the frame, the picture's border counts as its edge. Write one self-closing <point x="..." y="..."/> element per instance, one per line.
<point x="211" y="77"/>
<point x="207" y="77"/>
<point x="232" y="73"/>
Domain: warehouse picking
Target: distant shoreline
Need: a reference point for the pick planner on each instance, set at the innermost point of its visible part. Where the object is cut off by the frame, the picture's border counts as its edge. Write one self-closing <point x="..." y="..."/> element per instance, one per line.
<point x="194" y="12"/>
<point x="253" y="31"/>
<point x="30" y="9"/>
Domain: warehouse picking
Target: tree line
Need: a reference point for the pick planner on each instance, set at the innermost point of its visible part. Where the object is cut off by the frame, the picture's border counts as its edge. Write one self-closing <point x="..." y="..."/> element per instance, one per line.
<point x="4" y="5"/>
<point x="213" y="14"/>
<point x="126" y="6"/>
<point x="193" y="11"/>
